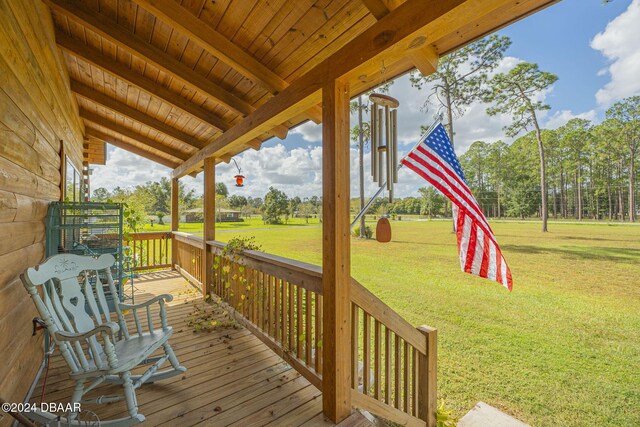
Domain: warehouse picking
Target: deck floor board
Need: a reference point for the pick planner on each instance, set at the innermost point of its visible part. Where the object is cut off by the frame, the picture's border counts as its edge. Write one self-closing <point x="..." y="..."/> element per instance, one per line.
<point x="232" y="378"/>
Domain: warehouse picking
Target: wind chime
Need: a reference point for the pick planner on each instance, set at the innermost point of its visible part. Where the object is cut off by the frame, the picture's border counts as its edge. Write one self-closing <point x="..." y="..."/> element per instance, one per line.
<point x="384" y="141"/>
<point x="384" y="152"/>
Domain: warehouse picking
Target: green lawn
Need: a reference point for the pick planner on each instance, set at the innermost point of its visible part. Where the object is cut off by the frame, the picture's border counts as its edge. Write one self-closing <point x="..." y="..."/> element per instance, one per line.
<point x="562" y="349"/>
<point x="247" y="224"/>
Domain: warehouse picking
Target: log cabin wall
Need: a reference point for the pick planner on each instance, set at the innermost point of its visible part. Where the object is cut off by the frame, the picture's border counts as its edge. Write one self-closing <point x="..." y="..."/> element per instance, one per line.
<point x="37" y="112"/>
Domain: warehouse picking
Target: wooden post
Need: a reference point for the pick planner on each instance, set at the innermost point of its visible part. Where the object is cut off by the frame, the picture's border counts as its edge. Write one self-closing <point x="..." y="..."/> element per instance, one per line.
<point x="427" y="378"/>
<point x="175" y="221"/>
<point x="336" y="260"/>
<point x="209" y="232"/>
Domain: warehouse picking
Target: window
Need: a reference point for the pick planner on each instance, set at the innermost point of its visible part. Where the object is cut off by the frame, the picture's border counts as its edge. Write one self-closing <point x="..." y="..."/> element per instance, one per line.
<point x="72" y="188"/>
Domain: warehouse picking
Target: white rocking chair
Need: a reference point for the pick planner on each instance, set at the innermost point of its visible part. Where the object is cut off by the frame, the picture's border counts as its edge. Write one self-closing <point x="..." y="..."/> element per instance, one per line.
<point x="75" y="309"/>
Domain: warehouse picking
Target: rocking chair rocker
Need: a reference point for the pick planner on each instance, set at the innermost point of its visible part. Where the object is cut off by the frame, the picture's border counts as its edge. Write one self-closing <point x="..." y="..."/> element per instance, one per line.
<point x="75" y="309"/>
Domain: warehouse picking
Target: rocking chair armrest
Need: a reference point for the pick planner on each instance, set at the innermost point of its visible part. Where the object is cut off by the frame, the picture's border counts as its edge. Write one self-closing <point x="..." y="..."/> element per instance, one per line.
<point x="165" y="297"/>
<point x="109" y="328"/>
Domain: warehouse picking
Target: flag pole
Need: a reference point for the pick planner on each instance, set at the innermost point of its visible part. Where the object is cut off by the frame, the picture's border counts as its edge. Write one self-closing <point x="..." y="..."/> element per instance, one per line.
<point x="382" y="187"/>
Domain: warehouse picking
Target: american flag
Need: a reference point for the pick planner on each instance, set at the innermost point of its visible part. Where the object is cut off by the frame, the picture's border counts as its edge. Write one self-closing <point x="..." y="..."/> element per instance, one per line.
<point x="434" y="160"/>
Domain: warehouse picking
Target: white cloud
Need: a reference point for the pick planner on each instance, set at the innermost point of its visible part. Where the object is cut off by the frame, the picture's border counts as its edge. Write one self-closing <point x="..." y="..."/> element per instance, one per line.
<point x="125" y="170"/>
<point x="619" y="44"/>
<point x="310" y="132"/>
<point x="560" y="118"/>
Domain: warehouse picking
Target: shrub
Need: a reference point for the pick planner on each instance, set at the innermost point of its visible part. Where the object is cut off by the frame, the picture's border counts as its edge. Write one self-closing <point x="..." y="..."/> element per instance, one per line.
<point x="368" y="231"/>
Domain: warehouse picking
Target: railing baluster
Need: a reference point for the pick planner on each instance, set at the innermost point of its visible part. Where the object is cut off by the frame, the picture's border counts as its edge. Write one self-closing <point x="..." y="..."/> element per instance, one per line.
<point x="307" y="342"/>
<point x="284" y="328"/>
<point x="414" y="383"/>
<point x="291" y="332"/>
<point x="396" y="376"/>
<point x="406" y="361"/>
<point x="367" y="354"/>
<point x="299" y="323"/>
<point x="387" y="366"/>
<point x="319" y="334"/>
<point x="277" y="333"/>
<point x="377" y="359"/>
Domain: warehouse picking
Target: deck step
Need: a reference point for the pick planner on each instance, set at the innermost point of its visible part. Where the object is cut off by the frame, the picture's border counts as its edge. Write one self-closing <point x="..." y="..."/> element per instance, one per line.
<point x="483" y="415"/>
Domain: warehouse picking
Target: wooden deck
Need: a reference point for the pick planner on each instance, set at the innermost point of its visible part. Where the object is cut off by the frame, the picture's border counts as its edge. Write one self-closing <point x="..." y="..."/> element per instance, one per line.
<point x="232" y="378"/>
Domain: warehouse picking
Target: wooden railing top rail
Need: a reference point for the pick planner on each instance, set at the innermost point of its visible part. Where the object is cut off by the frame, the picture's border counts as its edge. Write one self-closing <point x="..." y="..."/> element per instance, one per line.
<point x="187" y="238"/>
<point x="305" y="275"/>
<point x="147" y="235"/>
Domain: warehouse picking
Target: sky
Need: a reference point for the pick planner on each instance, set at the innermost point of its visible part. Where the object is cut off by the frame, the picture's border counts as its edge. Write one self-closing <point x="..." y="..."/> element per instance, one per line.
<point x="593" y="48"/>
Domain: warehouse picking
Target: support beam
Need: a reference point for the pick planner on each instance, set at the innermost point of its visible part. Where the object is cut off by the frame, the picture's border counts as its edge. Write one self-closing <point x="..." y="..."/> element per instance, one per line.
<point x="80" y="50"/>
<point x="108" y="124"/>
<point x="281" y="133"/>
<point x="149" y="53"/>
<point x="255" y="144"/>
<point x="134" y="114"/>
<point x="219" y="46"/>
<point x="209" y="232"/>
<point x="130" y="148"/>
<point x="251" y="128"/>
<point x="336" y="259"/>
<point x="390" y="39"/>
<point x="175" y="220"/>
<point x="425" y="59"/>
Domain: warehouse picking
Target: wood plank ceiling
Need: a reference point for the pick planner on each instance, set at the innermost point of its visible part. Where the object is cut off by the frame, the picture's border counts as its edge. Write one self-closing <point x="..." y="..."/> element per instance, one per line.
<point x="165" y="78"/>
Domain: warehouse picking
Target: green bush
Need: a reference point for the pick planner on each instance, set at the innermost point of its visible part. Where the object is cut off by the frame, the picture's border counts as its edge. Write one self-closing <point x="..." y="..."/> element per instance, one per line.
<point x="368" y="232"/>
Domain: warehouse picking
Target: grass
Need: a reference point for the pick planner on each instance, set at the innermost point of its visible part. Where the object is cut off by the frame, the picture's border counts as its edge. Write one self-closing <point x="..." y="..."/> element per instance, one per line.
<point x="247" y="224"/>
<point x="562" y="349"/>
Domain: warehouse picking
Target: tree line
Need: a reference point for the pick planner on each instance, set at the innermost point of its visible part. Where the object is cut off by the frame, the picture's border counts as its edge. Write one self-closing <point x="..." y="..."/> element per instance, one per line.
<point x="151" y="202"/>
<point x="590" y="169"/>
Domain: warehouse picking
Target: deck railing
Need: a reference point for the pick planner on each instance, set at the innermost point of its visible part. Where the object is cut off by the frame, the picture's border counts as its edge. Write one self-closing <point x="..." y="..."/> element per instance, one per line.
<point x="393" y="364"/>
<point x="188" y="256"/>
<point x="150" y="250"/>
<point x="280" y="301"/>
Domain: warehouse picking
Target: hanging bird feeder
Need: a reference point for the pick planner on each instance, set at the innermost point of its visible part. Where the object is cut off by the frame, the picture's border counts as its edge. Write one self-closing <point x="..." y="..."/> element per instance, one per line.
<point x="239" y="178"/>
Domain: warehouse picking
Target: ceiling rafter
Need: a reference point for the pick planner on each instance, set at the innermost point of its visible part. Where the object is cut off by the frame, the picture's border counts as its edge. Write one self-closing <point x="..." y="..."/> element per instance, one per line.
<point x="377" y="8"/>
<point x="136" y="46"/>
<point x="133" y="113"/>
<point x="77" y="48"/>
<point x="390" y="39"/>
<point x="94" y="133"/>
<point x="124" y="131"/>
<point x="157" y="57"/>
<point x="220" y="47"/>
<point x="425" y="58"/>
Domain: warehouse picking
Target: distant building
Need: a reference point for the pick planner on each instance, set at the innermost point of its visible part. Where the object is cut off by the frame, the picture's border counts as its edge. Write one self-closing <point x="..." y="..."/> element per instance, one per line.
<point x="222" y="215"/>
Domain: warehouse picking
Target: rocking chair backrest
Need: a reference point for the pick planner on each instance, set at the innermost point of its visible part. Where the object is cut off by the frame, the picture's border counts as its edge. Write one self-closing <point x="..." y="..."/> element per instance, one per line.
<point x="73" y="300"/>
